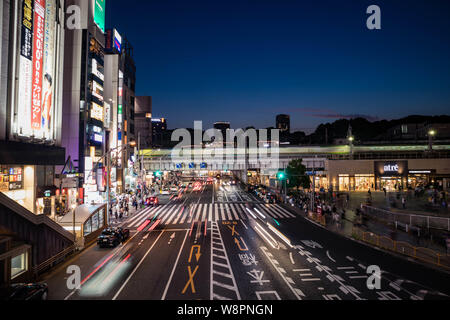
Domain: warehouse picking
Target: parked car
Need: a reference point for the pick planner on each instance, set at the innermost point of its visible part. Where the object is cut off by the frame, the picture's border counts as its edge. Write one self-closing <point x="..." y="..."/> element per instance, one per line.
<point x="112" y="237"/>
<point x="24" y="292"/>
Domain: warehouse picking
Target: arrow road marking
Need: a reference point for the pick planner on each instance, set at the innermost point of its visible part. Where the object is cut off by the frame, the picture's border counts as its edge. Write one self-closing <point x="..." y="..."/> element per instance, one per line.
<point x="197" y="255"/>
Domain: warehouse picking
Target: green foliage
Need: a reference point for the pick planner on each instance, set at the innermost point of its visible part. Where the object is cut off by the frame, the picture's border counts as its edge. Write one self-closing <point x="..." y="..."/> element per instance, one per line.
<point x="296" y="174"/>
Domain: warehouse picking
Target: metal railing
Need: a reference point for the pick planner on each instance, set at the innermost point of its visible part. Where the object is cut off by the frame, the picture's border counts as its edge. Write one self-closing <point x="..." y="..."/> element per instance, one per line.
<point x="404" y="248"/>
<point x="53" y="260"/>
<point x="420" y="221"/>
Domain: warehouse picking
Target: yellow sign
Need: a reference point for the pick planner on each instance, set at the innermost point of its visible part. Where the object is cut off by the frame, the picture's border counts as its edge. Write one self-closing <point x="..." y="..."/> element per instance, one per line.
<point x="97" y="112"/>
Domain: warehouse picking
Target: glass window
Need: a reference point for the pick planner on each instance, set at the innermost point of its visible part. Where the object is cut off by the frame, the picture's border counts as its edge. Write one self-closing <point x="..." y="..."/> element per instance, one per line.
<point x="100" y="218"/>
<point x="18" y="265"/>
<point x="364" y="182"/>
<point x="87" y="228"/>
<point x="344" y="183"/>
<point x="94" y="223"/>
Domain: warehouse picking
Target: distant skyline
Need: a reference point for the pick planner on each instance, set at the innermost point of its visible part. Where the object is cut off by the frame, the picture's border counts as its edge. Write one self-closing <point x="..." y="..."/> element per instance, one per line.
<point x="247" y="61"/>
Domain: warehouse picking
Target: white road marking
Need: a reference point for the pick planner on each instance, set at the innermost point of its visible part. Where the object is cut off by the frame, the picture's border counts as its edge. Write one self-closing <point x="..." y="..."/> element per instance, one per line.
<point x="174" y="267"/>
<point x="295" y="291"/>
<point x="329" y="257"/>
<point x="138" y="265"/>
<point x="292" y="258"/>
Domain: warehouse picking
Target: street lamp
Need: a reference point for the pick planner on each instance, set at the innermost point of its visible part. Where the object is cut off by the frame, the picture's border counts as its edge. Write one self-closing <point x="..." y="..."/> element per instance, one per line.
<point x="431" y="134"/>
<point x="351" y="139"/>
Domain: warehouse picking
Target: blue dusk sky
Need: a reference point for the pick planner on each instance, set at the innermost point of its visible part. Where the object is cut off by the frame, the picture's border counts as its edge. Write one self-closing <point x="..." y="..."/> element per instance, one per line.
<point x="247" y="61"/>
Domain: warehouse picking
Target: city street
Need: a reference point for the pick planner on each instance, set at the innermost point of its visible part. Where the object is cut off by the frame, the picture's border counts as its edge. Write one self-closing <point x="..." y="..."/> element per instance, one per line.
<point x="215" y="245"/>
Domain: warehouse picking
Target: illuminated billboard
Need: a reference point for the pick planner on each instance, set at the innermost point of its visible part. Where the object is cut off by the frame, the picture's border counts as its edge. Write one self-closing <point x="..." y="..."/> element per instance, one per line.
<point x="99" y="14"/>
<point x="97" y="112"/>
<point x="35" y="104"/>
<point x="113" y="41"/>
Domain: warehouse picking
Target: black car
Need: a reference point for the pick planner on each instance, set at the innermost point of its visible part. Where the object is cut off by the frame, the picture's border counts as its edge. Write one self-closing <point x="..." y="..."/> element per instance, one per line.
<point x="24" y="292"/>
<point x="112" y="237"/>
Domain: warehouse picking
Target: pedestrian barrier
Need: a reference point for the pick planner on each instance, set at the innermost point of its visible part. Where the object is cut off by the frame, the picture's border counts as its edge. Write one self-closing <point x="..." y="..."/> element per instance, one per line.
<point x="409" y="220"/>
<point x="404" y="248"/>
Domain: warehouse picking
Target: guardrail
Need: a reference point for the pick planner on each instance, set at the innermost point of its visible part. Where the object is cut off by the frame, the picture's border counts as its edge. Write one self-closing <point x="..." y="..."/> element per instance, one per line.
<point x="421" y="221"/>
<point x="404" y="248"/>
<point x="53" y="260"/>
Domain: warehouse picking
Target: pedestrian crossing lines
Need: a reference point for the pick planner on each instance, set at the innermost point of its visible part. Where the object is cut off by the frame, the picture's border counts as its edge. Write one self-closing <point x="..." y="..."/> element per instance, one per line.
<point x="175" y="214"/>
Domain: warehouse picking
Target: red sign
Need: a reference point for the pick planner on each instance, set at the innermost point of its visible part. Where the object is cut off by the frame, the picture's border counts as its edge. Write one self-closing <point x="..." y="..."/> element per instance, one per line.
<point x="38" y="59"/>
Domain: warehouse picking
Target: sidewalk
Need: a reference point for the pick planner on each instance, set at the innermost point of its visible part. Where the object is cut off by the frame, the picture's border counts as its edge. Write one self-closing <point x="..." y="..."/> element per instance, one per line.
<point x="118" y="222"/>
<point x="418" y="206"/>
<point x="345" y="227"/>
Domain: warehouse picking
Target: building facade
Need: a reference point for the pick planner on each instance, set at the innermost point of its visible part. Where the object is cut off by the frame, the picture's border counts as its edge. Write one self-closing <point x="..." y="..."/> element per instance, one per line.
<point x="159" y="128"/>
<point x="143" y="121"/>
<point x="32" y="57"/>
<point x="84" y="135"/>
<point x="283" y="123"/>
<point x="120" y="84"/>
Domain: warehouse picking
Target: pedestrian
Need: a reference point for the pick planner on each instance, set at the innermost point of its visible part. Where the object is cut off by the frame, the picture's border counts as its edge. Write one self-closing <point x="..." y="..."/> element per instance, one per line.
<point x="385" y="192"/>
<point x="404" y="202"/>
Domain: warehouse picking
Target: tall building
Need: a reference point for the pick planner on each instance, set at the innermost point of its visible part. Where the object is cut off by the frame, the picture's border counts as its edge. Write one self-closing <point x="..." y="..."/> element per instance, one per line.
<point x="283" y="123"/>
<point x="159" y="128"/>
<point x="143" y="121"/>
<point x="31" y="63"/>
<point x="120" y="84"/>
<point x="84" y="105"/>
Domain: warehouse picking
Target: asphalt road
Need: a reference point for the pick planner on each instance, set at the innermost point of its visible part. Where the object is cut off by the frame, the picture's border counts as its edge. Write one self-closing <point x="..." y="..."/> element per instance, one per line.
<point x="221" y="243"/>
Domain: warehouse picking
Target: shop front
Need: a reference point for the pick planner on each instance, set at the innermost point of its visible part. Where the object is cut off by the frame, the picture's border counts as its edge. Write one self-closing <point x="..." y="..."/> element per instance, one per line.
<point x="391" y="175"/>
<point x="18" y="183"/>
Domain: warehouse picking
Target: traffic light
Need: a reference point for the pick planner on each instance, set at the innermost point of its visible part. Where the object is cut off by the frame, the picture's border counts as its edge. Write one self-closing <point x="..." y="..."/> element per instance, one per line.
<point x="281" y="176"/>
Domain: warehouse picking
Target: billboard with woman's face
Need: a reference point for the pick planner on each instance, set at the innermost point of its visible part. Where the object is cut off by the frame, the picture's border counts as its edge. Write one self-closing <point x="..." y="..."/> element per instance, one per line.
<point x="34" y="113"/>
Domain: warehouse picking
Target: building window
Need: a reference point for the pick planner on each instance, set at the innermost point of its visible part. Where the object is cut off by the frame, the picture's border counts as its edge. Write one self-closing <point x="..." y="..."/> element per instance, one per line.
<point x="364" y="182"/>
<point x="404" y="129"/>
<point x="18" y="265"/>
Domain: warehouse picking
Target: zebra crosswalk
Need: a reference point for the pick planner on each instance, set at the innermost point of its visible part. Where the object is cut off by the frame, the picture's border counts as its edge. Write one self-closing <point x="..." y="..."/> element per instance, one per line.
<point x="176" y="214"/>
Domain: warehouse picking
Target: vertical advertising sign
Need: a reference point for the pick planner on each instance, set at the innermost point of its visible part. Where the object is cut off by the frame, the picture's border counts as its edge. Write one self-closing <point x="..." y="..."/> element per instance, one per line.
<point x="25" y="69"/>
<point x="48" y="69"/>
<point x="38" y="60"/>
<point x="99" y="14"/>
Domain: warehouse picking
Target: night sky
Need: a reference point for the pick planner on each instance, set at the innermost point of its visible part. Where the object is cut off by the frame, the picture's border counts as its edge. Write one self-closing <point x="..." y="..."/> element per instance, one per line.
<point x="246" y="61"/>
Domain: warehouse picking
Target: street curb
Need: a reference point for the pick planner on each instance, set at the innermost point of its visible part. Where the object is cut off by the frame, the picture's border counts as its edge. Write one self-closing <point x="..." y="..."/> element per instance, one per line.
<point x="430" y="266"/>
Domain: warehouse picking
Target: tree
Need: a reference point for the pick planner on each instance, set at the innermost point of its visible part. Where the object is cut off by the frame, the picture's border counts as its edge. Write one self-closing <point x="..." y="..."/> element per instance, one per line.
<point x="296" y="174"/>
